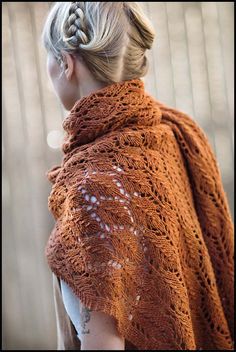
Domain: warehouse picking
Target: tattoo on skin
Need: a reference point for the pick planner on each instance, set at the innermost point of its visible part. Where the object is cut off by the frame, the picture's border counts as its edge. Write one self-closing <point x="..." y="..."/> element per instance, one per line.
<point x="85" y="317"/>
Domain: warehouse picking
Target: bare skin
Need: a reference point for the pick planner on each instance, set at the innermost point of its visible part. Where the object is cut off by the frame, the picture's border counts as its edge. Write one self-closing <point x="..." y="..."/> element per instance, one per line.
<point x="98" y="331"/>
<point x="74" y="83"/>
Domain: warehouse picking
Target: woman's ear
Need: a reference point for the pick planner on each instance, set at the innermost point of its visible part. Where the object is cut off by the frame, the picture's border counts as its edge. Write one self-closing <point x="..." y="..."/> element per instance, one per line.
<point x="69" y="62"/>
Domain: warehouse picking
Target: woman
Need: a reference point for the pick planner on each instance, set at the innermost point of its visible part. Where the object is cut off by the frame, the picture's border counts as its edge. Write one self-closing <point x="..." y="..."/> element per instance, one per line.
<point x="142" y="248"/>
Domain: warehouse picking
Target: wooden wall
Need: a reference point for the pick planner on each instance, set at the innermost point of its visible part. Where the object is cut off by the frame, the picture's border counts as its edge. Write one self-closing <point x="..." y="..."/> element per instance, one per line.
<point x="191" y="68"/>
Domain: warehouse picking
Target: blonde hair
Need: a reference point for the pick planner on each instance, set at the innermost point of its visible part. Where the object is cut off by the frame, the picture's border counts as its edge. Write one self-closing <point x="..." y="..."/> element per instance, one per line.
<point x="110" y="37"/>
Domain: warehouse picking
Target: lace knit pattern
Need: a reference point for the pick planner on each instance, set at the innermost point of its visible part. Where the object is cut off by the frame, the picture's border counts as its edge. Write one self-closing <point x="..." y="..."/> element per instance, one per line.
<point x="143" y="229"/>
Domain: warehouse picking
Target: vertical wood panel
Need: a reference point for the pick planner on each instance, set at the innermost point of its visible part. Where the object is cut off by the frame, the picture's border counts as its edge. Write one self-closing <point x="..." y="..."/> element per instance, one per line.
<point x="12" y="289"/>
<point x="218" y="94"/>
<point x="182" y="77"/>
<point x="150" y="78"/>
<point x="14" y="136"/>
<point x="220" y="109"/>
<point x="161" y="45"/>
<point x="226" y="24"/>
<point x="191" y="68"/>
<point x="199" y="69"/>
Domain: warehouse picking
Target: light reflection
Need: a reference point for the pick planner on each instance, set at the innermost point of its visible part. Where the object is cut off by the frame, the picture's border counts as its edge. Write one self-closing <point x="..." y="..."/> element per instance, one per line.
<point x="55" y="139"/>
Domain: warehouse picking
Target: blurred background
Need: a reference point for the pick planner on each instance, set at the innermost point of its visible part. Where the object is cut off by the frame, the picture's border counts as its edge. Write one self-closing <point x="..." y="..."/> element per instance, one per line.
<point x="191" y="68"/>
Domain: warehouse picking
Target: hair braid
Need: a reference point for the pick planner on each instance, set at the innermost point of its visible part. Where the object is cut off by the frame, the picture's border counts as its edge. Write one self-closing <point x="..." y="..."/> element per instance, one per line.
<point x="110" y="38"/>
<point x="75" y="28"/>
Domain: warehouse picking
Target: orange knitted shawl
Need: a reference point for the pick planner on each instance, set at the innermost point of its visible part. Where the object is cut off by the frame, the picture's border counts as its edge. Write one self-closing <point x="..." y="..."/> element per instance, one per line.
<point x="143" y="229"/>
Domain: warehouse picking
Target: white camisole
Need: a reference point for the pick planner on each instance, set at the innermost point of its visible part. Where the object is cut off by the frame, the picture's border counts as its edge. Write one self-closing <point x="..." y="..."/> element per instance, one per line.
<point x="72" y="305"/>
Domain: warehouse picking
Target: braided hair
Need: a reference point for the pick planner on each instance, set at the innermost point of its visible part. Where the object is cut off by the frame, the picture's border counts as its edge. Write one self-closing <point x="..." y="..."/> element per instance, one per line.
<point x="74" y="31"/>
<point x="111" y="38"/>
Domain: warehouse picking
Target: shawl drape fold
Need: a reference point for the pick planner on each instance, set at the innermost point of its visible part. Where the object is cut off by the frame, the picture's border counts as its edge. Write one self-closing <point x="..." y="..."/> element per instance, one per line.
<point x="143" y="229"/>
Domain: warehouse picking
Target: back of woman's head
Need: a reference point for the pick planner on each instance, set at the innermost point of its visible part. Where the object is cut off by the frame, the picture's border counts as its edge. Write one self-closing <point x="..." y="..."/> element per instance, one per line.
<point x="110" y="37"/>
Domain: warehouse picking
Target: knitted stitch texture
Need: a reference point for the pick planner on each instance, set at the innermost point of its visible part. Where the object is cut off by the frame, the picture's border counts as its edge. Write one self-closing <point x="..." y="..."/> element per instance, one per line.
<point x="143" y="229"/>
